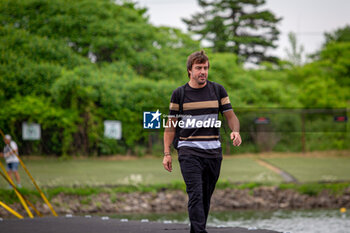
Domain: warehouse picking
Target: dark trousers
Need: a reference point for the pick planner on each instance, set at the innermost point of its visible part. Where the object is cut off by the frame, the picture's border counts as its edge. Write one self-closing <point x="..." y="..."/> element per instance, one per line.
<point x="200" y="175"/>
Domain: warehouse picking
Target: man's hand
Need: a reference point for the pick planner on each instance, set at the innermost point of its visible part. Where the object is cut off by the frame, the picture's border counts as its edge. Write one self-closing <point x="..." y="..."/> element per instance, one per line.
<point x="1" y="154"/>
<point x="167" y="163"/>
<point x="236" y="138"/>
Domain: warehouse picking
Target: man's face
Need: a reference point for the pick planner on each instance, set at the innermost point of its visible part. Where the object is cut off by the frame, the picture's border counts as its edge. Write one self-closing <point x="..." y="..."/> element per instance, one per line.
<point x="199" y="72"/>
<point x="7" y="141"/>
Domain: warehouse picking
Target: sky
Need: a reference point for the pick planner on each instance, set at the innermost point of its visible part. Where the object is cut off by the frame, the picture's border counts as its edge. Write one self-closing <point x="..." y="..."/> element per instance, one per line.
<point x="309" y="19"/>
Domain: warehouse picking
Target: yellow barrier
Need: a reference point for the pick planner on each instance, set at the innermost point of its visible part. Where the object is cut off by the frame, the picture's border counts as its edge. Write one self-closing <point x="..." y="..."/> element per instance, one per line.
<point x="11" y="210"/>
<point x="33" y="207"/>
<point x="21" y="199"/>
<point x="16" y="190"/>
<point x="33" y="181"/>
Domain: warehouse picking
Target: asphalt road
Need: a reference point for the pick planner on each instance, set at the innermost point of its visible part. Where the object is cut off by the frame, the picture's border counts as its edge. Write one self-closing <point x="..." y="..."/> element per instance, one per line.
<point x="98" y="225"/>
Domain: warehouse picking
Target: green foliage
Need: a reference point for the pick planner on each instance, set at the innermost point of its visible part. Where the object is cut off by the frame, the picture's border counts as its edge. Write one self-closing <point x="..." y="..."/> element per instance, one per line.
<point x="85" y="25"/>
<point x="107" y="146"/>
<point x="45" y="67"/>
<point x="79" y="191"/>
<point x="104" y="32"/>
<point x="295" y="52"/>
<point x="336" y="56"/>
<point x="239" y="27"/>
<point x="8" y="196"/>
<point x="225" y="184"/>
<point x="88" y="191"/>
<point x="87" y="201"/>
<point x="325" y="82"/>
<point x="310" y="189"/>
<point x="30" y="64"/>
<point x="339" y="35"/>
<point x="322" y="93"/>
<point x="319" y="140"/>
<point x="313" y="189"/>
<point x="57" y="124"/>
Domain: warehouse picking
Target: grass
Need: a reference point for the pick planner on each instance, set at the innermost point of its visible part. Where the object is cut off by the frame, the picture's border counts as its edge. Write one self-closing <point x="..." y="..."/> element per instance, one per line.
<point x="315" y="169"/>
<point x="86" y="193"/>
<point x="245" y="170"/>
<point x="313" y="189"/>
<point x="50" y="172"/>
<point x="97" y="172"/>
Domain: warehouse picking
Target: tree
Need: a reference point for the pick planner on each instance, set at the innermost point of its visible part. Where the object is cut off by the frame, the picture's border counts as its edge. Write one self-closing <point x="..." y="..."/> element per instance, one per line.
<point x="103" y="31"/>
<point x="339" y="35"/>
<point x="325" y="83"/>
<point x="29" y="64"/>
<point x="295" y="54"/>
<point x="47" y="75"/>
<point x="236" y="26"/>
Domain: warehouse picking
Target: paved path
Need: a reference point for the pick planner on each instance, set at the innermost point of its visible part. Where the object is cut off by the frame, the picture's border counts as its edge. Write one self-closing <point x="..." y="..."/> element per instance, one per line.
<point x="97" y="225"/>
<point x="285" y="175"/>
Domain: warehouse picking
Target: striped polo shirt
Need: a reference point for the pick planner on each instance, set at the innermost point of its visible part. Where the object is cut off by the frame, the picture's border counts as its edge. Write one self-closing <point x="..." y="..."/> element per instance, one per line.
<point x="200" y="104"/>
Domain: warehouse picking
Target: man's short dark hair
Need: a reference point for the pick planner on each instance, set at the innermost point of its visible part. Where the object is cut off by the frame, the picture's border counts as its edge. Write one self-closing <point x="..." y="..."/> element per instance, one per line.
<point x="198" y="57"/>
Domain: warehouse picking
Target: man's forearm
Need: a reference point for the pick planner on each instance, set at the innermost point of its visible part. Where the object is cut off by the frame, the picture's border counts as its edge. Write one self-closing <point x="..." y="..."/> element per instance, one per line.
<point x="232" y="120"/>
<point x="169" y="134"/>
<point x="234" y="124"/>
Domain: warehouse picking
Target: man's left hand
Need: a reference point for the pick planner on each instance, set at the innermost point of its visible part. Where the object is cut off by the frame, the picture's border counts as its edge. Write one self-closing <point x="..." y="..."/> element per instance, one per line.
<point x="236" y="138"/>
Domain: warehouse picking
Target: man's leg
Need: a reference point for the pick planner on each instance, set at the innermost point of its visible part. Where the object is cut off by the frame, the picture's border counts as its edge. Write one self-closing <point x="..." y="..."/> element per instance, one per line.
<point x="17" y="178"/>
<point x="15" y="171"/>
<point x="210" y="177"/>
<point x="192" y="170"/>
<point x="10" y="172"/>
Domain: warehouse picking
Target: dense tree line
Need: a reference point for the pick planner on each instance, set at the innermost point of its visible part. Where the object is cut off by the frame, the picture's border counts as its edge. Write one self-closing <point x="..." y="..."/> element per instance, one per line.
<point x="70" y="65"/>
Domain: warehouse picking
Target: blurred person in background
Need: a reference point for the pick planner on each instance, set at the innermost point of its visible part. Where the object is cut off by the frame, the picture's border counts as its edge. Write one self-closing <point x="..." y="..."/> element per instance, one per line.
<point x="12" y="162"/>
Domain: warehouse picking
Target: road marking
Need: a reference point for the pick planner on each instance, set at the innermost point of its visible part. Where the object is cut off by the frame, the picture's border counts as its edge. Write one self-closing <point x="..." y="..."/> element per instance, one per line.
<point x="285" y="175"/>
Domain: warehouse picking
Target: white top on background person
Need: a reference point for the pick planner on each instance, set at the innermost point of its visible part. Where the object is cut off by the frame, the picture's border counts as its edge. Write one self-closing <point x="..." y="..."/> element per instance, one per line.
<point x="10" y="150"/>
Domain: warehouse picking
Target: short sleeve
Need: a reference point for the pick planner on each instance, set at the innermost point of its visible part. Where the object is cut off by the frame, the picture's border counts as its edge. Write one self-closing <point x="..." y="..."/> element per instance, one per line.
<point x="224" y="99"/>
<point x="174" y="103"/>
<point x="14" y="145"/>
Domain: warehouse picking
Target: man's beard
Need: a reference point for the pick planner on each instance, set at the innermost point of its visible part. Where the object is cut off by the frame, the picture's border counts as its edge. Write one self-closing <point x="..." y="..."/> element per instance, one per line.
<point x="201" y="80"/>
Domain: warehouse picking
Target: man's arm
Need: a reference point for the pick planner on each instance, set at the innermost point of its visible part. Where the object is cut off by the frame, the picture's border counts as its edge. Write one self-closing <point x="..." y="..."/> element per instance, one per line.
<point x="7" y="154"/>
<point x="233" y="123"/>
<point x="169" y="134"/>
<point x="13" y="150"/>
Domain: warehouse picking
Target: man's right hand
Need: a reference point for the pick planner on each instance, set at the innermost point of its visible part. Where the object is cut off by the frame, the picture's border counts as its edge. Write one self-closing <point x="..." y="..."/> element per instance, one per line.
<point x="167" y="163"/>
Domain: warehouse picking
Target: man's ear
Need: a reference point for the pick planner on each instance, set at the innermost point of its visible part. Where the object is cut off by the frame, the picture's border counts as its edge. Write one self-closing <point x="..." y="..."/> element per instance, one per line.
<point x="190" y="72"/>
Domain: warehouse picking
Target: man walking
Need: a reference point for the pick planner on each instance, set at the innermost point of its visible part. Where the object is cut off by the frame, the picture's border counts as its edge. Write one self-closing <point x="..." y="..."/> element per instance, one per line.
<point x="11" y="159"/>
<point x="197" y="140"/>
